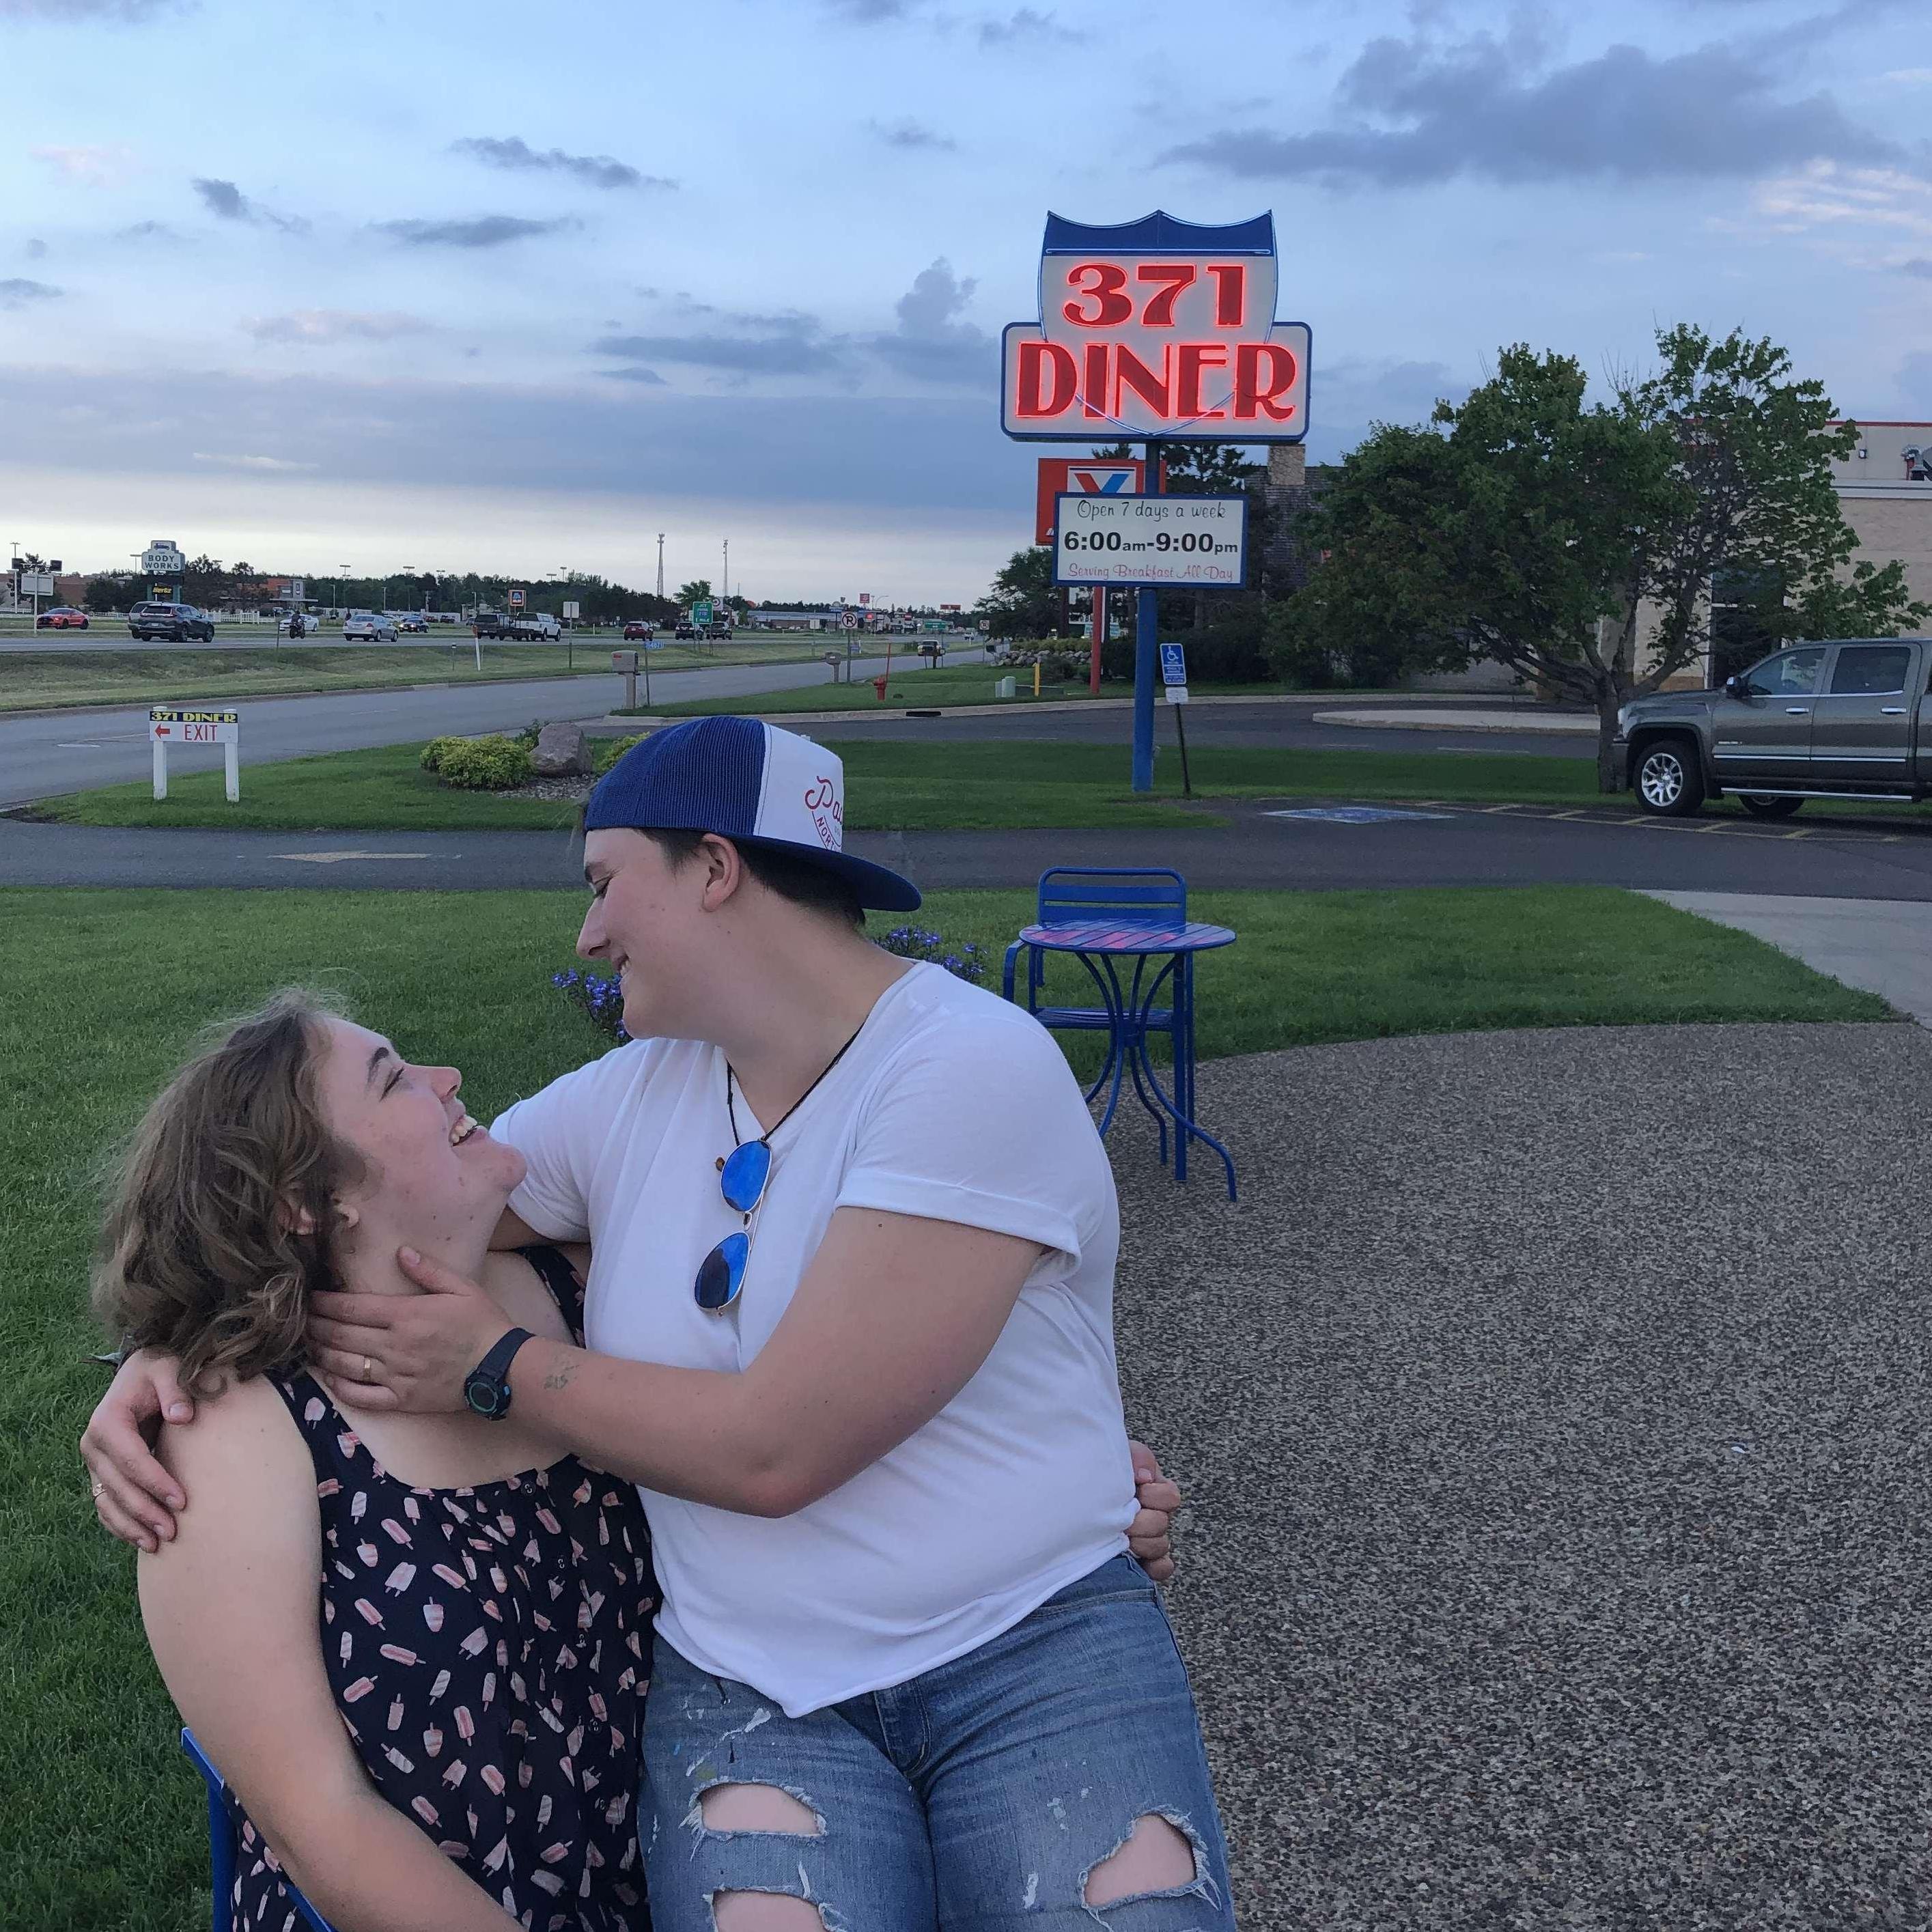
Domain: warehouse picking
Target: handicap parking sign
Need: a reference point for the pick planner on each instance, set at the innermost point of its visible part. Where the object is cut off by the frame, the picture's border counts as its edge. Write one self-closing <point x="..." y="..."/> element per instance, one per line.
<point x="1173" y="664"/>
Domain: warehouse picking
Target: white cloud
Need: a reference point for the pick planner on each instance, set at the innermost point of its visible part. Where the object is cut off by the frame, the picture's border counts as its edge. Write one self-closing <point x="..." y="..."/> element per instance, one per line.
<point x="333" y="325"/>
<point x="1827" y="196"/>
<point x="88" y="167"/>
<point x="239" y="462"/>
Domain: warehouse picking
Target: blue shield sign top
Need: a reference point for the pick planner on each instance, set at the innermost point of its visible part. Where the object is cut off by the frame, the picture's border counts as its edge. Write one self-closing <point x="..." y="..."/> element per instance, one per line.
<point x="1160" y="330"/>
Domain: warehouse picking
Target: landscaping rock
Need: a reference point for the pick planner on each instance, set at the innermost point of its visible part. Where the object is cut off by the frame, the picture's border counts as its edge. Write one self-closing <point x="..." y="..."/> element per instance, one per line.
<point x="561" y="751"/>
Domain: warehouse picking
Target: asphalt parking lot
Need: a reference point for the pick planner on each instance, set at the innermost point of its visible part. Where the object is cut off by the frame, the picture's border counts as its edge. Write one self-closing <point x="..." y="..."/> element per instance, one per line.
<point x="1553" y="1412"/>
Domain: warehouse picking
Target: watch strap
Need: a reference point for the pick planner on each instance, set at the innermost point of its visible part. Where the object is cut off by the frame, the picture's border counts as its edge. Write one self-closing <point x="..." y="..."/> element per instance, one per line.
<point x="496" y="1363"/>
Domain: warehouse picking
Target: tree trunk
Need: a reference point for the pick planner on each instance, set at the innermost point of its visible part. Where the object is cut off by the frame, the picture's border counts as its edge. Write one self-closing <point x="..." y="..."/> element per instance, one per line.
<point x="1609" y="702"/>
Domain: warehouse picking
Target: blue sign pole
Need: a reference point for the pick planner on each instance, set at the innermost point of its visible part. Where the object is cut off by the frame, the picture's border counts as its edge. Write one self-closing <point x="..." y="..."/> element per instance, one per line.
<point x="1147" y="650"/>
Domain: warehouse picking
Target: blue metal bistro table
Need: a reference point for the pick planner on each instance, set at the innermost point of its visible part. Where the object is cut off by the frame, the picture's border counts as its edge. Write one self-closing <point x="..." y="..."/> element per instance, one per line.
<point x="1131" y="1012"/>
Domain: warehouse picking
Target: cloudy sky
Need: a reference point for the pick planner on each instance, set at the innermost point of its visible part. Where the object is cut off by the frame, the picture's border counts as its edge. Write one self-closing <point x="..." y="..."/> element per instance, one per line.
<point x="486" y="285"/>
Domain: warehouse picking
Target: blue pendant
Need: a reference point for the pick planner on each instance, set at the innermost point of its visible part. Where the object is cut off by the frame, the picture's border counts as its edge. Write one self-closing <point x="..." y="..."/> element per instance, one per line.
<point x="747" y="1169"/>
<point x="722" y="1274"/>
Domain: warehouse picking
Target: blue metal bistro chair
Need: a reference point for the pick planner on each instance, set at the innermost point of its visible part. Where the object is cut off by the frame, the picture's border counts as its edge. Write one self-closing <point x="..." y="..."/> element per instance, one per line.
<point x="222" y="1847"/>
<point x="1106" y="916"/>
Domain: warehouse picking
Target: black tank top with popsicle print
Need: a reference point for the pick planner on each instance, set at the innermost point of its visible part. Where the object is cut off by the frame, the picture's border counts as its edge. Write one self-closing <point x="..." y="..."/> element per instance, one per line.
<point x="488" y="1649"/>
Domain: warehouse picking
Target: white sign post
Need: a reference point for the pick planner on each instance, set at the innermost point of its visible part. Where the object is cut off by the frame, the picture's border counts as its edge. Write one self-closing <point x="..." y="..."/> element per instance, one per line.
<point x="1195" y="542"/>
<point x="167" y="727"/>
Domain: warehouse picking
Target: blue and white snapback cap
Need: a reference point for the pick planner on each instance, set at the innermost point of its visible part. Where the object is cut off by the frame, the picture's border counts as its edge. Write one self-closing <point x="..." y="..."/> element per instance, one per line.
<point x="749" y="782"/>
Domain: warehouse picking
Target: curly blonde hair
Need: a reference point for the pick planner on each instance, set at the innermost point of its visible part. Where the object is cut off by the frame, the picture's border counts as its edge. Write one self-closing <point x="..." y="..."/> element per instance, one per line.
<point x="201" y="1253"/>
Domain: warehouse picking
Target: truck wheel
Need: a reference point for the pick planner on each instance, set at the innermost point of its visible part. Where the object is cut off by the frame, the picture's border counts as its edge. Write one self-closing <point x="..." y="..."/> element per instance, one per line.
<point x="1769" y="805"/>
<point x="1669" y="783"/>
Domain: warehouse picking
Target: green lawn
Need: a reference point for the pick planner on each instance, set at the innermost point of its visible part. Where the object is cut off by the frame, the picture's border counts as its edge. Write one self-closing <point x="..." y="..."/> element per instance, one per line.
<point x="51" y="680"/>
<point x="104" y="989"/>
<point x="890" y="786"/>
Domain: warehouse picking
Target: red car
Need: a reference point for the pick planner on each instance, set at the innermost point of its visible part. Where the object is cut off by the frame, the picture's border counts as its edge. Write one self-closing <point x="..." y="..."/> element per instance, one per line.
<point x="635" y="629"/>
<point x="61" y="617"/>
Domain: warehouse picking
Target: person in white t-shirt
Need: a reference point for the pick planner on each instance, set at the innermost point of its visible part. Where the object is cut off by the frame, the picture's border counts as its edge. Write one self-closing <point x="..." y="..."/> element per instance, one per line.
<point x="849" y="1328"/>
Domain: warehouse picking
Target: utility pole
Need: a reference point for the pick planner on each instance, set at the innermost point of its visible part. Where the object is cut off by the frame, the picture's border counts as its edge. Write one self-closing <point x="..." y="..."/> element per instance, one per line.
<point x="660" y="566"/>
<point x="728" y="570"/>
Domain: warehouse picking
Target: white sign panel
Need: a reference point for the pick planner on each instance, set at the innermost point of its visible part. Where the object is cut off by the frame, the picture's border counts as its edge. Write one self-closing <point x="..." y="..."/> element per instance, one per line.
<point x="1200" y="542"/>
<point x="36" y="583"/>
<point x="163" y="558"/>
<point x="168" y="726"/>
<point x="193" y="727"/>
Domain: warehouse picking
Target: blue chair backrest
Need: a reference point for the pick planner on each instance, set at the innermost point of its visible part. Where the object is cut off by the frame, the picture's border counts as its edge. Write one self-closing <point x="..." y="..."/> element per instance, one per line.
<point x="1127" y="896"/>
<point x="221" y="1846"/>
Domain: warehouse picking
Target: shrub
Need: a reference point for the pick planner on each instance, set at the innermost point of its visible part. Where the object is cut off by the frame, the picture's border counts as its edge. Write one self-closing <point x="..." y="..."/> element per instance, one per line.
<point x="528" y="736"/>
<point x="912" y="942"/>
<point x="486" y="764"/>
<point x="601" y="1001"/>
<point x="431" y="760"/>
<point x="608" y="751"/>
<point x="1233" y="650"/>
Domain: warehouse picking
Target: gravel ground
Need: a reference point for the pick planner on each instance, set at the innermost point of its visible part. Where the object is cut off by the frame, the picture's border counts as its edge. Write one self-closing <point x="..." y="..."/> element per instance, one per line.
<point x="1551" y="1409"/>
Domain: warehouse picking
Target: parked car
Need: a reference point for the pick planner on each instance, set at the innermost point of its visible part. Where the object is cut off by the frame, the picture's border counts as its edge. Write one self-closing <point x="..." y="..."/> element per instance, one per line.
<point x="61" y="617"/>
<point x="1849" y="717"/>
<point x="537" y="627"/>
<point x="635" y="629"/>
<point x="369" y="627"/>
<point x="169" y="623"/>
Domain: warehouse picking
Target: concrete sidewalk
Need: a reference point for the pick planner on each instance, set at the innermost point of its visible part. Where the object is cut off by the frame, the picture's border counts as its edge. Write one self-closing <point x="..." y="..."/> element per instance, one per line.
<point x="1444" y="719"/>
<point x="1880" y="945"/>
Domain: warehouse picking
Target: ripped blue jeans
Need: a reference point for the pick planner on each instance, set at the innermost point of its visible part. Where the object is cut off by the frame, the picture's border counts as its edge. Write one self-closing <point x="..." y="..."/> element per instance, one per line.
<point x="980" y="1796"/>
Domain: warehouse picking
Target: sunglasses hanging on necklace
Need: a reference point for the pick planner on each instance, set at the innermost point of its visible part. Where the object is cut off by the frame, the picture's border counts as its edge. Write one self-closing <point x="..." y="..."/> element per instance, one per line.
<point x="744" y="1174"/>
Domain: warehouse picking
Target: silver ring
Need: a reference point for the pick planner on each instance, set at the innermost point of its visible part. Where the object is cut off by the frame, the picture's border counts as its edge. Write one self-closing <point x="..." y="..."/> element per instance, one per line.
<point x="368" y="1369"/>
<point x="100" y="1490"/>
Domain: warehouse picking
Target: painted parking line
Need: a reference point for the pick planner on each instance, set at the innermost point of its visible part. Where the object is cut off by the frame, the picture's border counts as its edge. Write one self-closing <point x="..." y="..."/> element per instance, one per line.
<point x="1353" y="815"/>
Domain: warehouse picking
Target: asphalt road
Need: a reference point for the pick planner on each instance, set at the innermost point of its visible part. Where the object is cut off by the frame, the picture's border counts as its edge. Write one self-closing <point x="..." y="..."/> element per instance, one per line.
<point x="1463" y="846"/>
<point x="73" y="750"/>
<point x="1552" y="1411"/>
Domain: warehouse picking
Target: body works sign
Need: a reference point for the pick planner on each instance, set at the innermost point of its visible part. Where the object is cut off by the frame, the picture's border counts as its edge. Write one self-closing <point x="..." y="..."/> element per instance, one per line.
<point x="1159" y="329"/>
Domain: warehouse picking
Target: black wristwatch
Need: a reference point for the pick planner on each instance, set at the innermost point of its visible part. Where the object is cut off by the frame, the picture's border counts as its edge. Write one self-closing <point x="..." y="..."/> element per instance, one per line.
<point x="487" y="1388"/>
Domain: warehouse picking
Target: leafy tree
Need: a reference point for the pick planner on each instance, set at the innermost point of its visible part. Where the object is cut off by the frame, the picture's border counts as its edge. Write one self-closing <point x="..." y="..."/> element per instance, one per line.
<point x="105" y="594"/>
<point x="1024" y="602"/>
<point x="695" y="591"/>
<point x="1532" y="527"/>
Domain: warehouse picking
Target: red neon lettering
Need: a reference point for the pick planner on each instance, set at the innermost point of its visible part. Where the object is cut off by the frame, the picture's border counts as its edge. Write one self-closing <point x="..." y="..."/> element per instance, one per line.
<point x="1131" y="373"/>
<point x="1194" y="360"/>
<point x="1231" y="293"/>
<point x="1095" y="397"/>
<point x="1158" y="313"/>
<point x="1255" y="395"/>
<point x="1037" y="359"/>
<point x="1112" y="306"/>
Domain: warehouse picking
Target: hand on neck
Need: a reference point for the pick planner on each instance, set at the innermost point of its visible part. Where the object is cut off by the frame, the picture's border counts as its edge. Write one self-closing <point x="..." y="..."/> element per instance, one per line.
<point x="368" y="1263"/>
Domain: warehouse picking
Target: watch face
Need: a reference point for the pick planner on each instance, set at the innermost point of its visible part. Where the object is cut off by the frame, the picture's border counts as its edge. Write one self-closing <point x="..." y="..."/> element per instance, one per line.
<point x="486" y="1395"/>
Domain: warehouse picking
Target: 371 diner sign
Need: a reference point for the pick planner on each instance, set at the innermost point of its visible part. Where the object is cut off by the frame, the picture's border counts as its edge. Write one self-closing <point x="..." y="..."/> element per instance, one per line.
<point x="1158" y="329"/>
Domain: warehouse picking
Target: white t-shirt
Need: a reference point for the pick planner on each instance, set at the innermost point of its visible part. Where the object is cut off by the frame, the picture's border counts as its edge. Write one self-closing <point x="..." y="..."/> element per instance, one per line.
<point x="951" y="1104"/>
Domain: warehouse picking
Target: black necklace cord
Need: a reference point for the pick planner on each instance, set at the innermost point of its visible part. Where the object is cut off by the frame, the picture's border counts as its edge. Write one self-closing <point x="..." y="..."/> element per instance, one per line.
<point x="730" y="1075"/>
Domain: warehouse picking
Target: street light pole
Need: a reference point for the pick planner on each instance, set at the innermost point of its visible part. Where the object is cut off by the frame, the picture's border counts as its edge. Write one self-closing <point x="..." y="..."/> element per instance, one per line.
<point x="660" y="566"/>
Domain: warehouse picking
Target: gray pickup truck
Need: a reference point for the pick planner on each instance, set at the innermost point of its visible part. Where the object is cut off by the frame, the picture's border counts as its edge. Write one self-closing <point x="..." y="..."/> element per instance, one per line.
<point x="1848" y="718"/>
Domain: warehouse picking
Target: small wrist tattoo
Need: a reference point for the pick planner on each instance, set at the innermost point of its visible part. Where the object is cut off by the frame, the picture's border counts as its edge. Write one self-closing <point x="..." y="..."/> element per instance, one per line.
<point x="559" y="1378"/>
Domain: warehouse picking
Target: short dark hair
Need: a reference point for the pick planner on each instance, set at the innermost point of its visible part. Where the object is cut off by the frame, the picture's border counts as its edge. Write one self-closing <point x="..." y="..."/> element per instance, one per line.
<point x="794" y="878"/>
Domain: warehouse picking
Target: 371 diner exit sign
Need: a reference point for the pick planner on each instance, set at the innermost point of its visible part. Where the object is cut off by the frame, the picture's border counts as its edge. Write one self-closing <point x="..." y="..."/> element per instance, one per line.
<point x="1158" y="329"/>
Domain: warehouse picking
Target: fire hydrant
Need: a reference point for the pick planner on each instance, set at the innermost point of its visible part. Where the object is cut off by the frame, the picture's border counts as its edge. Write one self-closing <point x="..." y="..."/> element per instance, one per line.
<point x="879" y="689"/>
